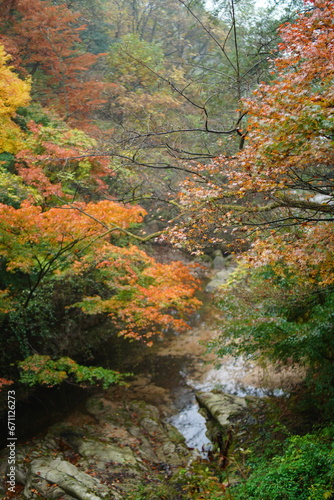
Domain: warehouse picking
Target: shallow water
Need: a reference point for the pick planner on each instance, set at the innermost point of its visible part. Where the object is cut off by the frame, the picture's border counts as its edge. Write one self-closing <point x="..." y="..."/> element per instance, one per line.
<point x="180" y="366"/>
<point x="228" y="378"/>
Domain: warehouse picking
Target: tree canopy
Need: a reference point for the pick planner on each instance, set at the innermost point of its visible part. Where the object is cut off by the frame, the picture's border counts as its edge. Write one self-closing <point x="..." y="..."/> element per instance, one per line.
<point x="197" y="115"/>
<point x="130" y="125"/>
<point x="60" y="239"/>
<point x="276" y="197"/>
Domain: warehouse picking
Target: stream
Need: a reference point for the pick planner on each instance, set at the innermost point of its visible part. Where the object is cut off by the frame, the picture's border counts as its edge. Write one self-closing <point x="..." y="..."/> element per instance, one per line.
<point x="177" y="367"/>
<point x="167" y="375"/>
<point x="92" y="443"/>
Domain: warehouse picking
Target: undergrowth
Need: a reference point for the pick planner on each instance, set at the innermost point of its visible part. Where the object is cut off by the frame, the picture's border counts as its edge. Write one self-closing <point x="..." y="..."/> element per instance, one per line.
<point x="271" y="463"/>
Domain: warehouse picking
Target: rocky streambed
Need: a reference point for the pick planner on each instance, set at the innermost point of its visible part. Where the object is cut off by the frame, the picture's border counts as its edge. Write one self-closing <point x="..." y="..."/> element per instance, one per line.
<point x="105" y="452"/>
<point x="127" y="438"/>
<point x="114" y="448"/>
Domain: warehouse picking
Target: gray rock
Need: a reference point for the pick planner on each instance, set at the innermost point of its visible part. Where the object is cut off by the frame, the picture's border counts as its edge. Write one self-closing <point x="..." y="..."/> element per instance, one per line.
<point x="224" y="408"/>
<point x="106" y="452"/>
<point x="45" y="472"/>
<point x="219" y="279"/>
<point x="219" y="262"/>
<point x="20" y="475"/>
<point x="146" y="448"/>
<point x="150" y="425"/>
<point x="123" y="444"/>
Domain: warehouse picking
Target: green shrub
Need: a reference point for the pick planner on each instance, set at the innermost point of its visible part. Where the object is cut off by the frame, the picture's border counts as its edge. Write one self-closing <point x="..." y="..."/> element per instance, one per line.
<point x="272" y="318"/>
<point x="42" y="370"/>
<point x="304" y="472"/>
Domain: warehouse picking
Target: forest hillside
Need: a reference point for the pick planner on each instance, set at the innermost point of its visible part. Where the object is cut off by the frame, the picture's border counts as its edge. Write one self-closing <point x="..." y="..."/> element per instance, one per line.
<point x="129" y="126"/>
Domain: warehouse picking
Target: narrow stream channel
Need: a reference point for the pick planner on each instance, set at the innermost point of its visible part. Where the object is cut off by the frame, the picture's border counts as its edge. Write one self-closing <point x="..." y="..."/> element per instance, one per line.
<point x="178" y="367"/>
<point x="168" y="375"/>
<point x="228" y="378"/>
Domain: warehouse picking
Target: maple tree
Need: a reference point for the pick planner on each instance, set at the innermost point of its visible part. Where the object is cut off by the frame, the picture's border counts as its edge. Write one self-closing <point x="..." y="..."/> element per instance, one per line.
<point x="44" y="40"/>
<point x="42" y="249"/>
<point x="60" y="239"/>
<point x="52" y="240"/>
<point x="277" y="196"/>
<point x="57" y="162"/>
<point x="176" y="74"/>
<point x="65" y="254"/>
<point x="283" y="177"/>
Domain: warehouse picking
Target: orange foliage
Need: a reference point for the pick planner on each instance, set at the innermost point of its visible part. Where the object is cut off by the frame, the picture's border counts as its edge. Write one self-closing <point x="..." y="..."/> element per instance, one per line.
<point x="45" y="39"/>
<point x="284" y="177"/>
<point x="4" y="382"/>
<point x="31" y="238"/>
<point x="143" y="295"/>
<point x="144" y="292"/>
<point x="308" y="255"/>
<point x="290" y="119"/>
<point x="55" y="159"/>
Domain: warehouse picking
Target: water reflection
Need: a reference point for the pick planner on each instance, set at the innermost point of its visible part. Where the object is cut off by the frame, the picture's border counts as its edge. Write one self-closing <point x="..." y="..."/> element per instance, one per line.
<point x="227" y="378"/>
<point x="191" y="424"/>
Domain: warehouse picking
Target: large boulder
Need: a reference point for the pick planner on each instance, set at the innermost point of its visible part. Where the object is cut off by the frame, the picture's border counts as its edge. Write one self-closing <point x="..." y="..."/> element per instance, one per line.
<point x="228" y="418"/>
<point x="218" y="280"/>
<point x="226" y="409"/>
<point x="54" y="477"/>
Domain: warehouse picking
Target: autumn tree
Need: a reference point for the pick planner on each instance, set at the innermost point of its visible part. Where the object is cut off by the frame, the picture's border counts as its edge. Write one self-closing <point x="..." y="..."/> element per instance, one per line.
<point x="68" y="259"/>
<point x="283" y="177"/>
<point x="62" y="264"/>
<point x="57" y="164"/>
<point x="14" y="93"/>
<point x="44" y="40"/>
<point x="173" y="94"/>
<point x="277" y="196"/>
<point x="94" y="18"/>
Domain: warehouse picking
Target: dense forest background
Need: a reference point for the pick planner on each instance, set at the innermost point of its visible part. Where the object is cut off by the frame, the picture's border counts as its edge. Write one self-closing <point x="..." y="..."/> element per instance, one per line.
<point x="127" y="124"/>
<point x="105" y="106"/>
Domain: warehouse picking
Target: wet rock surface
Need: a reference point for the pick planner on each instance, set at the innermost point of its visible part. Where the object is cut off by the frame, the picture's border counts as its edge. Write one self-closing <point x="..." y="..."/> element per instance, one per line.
<point x="121" y="440"/>
<point x="219" y="279"/>
<point x="231" y="419"/>
<point x="119" y="447"/>
<point x="223" y="408"/>
<point x="54" y="477"/>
